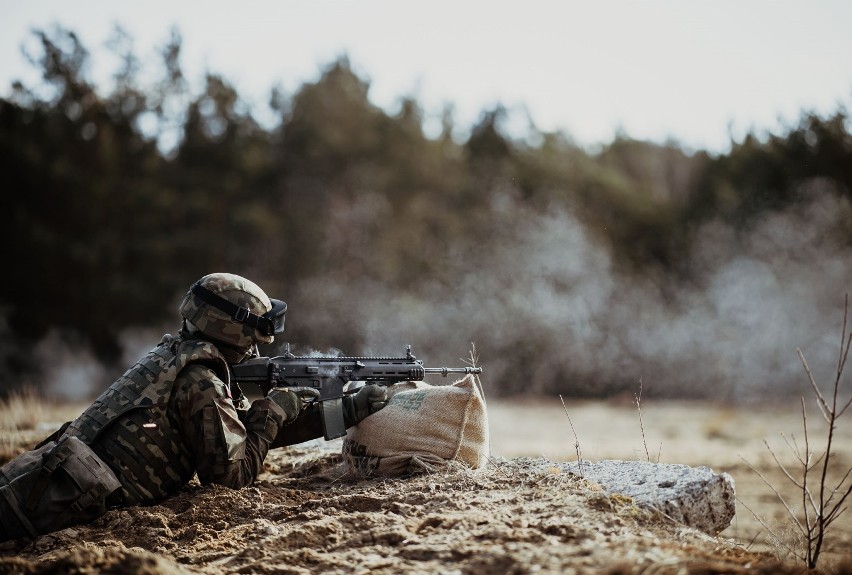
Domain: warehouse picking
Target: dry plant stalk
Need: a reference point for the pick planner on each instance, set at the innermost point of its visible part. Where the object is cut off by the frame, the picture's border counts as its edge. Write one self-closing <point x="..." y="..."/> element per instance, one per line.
<point x="823" y="501"/>
<point x="576" y="439"/>
<point x="638" y="398"/>
<point x="473" y="361"/>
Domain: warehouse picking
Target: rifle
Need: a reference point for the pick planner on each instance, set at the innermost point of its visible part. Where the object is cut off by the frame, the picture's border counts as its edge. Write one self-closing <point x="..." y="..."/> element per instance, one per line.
<point x="329" y="375"/>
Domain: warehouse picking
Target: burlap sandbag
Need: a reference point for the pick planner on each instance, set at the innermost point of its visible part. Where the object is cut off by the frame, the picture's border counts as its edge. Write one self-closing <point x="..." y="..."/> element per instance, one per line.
<point x="421" y="429"/>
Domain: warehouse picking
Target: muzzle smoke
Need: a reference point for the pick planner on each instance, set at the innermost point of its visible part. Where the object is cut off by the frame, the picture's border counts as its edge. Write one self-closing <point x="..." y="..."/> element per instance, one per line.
<point x="549" y="312"/>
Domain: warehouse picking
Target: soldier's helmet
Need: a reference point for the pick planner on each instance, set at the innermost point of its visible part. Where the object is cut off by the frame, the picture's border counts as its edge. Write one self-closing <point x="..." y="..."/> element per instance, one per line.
<point x="233" y="310"/>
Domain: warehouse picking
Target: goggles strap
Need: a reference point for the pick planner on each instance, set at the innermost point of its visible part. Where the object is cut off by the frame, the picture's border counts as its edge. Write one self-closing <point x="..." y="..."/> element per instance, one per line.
<point x="241" y="314"/>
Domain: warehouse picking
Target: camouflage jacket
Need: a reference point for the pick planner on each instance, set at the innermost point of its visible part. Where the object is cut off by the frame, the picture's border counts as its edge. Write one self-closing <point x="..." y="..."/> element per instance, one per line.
<point x="173" y="414"/>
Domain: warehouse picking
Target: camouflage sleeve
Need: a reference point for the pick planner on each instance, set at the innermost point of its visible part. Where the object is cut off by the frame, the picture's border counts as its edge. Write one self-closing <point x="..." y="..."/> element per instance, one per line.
<point x="304" y="428"/>
<point x="229" y="446"/>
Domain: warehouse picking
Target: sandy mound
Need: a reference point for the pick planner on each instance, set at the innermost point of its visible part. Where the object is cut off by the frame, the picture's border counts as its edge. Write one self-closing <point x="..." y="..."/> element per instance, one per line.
<point x="305" y="516"/>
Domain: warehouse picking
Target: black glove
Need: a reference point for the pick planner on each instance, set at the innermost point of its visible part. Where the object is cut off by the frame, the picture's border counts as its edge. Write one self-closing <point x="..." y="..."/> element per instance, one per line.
<point x="292" y="400"/>
<point x="369" y="399"/>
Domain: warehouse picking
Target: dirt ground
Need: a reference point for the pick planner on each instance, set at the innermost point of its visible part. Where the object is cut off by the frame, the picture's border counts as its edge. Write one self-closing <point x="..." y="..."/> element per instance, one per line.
<point x="304" y="515"/>
<point x="723" y="437"/>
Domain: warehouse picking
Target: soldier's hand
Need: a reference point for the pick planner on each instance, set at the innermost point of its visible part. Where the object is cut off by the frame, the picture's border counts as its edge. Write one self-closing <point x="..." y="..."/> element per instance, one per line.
<point x="292" y="399"/>
<point x="368" y="400"/>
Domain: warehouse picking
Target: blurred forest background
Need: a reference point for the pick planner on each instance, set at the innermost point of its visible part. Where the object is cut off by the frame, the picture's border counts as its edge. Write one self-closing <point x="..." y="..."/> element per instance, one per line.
<point x="575" y="271"/>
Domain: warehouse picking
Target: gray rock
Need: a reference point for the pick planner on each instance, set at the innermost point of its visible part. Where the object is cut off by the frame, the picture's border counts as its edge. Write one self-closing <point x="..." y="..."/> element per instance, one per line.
<point x="695" y="496"/>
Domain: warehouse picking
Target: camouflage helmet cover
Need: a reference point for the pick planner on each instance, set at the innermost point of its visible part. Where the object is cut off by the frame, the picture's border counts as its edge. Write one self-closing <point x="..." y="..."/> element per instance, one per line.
<point x="217" y="324"/>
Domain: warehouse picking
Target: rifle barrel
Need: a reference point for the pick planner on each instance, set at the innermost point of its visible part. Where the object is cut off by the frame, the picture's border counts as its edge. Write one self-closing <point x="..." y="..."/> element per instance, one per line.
<point x="446" y="370"/>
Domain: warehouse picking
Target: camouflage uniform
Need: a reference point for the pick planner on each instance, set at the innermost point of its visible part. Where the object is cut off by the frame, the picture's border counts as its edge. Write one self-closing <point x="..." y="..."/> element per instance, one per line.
<point x="171" y="415"/>
<point x="155" y="430"/>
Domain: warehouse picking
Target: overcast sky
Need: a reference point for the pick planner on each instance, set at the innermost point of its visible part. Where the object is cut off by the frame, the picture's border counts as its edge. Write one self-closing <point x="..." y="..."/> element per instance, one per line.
<point x="693" y="71"/>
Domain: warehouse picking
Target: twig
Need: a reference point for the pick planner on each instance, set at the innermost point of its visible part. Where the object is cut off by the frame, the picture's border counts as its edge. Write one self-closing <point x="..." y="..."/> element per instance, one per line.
<point x="807" y="496"/>
<point x="756" y="535"/>
<point x="841" y="482"/>
<point x="473" y="360"/>
<point x="473" y="356"/>
<point x="769" y="530"/>
<point x="834" y="515"/>
<point x="823" y="406"/>
<point x="782" y="467"/>
<point x="820" y="509"/>
<point x="641" y="425"/>
<point x="823" y="519"/>
<point x="576" y="439"/>
<point x="841" y="361"/>
<point x="778" y="495"/>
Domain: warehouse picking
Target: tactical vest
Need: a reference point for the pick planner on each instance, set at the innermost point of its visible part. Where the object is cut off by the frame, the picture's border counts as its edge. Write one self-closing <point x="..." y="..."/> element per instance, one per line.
<point x="132" y="428"/>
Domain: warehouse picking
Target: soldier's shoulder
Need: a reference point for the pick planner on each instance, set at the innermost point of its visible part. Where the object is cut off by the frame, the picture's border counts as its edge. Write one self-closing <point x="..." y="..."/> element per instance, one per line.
<point x="190" y="350"/>
<point x="197" y="372"/>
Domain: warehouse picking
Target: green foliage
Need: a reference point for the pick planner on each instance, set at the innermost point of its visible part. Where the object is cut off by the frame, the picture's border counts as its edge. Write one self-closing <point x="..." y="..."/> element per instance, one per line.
<point x="763" y="175"/>
<point x="107" y="230"/>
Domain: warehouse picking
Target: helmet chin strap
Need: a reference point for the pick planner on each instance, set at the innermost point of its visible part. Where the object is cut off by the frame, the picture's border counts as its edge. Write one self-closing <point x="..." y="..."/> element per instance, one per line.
<point x="234" y="355"/>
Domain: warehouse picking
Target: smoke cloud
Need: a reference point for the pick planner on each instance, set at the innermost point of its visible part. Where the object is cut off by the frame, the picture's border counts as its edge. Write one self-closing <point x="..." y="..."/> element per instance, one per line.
<point x="69" y="368"/>
<point x="550" y="313"/>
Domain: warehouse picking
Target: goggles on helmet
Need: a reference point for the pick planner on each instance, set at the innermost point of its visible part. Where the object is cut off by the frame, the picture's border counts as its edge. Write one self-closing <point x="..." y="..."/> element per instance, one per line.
<point x="270" y="323"/>
<point x="276" y="315"/>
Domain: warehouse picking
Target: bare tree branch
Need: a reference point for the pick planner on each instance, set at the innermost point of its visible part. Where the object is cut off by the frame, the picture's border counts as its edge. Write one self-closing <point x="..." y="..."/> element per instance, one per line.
<point x="779" y="496"/>
<point x="769" y="530"/>
<point x="782" y="467"/>
<point x="820" y="510"/>
<point x="823" y="406"/>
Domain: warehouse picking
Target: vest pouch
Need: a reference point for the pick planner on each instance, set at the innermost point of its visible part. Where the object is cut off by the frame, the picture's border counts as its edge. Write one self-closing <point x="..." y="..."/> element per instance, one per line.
<point x="52" y="487"/>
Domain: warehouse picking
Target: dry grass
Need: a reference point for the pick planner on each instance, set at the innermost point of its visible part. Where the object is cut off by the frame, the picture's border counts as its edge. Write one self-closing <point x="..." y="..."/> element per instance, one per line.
<point x="26" y="417"/>
<point x="22" y="410"/>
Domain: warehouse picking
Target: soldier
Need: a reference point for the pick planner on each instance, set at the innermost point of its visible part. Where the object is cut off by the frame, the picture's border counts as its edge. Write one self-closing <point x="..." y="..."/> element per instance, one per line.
<point x="171" y="415"/>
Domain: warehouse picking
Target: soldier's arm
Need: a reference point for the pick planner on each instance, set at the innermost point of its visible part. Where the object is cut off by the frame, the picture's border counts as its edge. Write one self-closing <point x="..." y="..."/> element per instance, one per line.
<point x="307" y="422"/>
<point x="229" y="446"/>
<point x="307" y="426"/>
